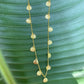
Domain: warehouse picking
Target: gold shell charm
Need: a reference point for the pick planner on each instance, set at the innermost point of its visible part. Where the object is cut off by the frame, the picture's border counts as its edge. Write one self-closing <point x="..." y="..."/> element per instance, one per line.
<point x="45" y="80"/>
<point x="48" y="3"/>
<point x="50" y="29"/>
<point x="32" y="49"/>
<point x="49" y="55"/>
<point x="33" y="36"/>
<point x="47" y="16"/>
<point x="29" y="7"/>
<point x="28" y="20"/>
<point x="35" y="61"/>
<point x="49" y="42"/>
<point x="39" y="73"/>
<point x="48" y="67"/>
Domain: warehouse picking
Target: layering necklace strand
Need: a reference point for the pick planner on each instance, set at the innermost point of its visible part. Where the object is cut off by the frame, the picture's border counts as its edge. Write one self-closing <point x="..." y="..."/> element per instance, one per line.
<point x="33" y="36"/>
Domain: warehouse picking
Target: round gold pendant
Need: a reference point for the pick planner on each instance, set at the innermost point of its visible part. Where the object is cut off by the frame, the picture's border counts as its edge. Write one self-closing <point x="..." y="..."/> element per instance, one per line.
<point x="47" y="16"/>
<point x="49" y="55"/>
<point x="28" y="20"/>
<point x="50" y="29"/>
<point x="29" y="7"/>
<point x="48" y="3"/>
<point x="33" y="36"/>
<point x="48" y="67"/>
<point x="32" y="49"/>
<point x="39" y="73"/>
<point x="35" y="61"/>
<point x="45" y="80"/>
<point x="49" y="42"/>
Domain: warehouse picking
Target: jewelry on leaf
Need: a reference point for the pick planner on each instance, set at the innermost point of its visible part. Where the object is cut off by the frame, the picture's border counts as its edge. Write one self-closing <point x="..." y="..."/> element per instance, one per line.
<point x="33" y="36"/>
<point x="39" y="73"/>
<point x="32" y="49"/>
<point x="35" y="61"/>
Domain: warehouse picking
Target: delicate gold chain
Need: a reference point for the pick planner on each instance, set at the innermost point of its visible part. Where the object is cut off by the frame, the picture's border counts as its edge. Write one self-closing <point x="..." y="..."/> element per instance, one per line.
<point x="33" y="36"/>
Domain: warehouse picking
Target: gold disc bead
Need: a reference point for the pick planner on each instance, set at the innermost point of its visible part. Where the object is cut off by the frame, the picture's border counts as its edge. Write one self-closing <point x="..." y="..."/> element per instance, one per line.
<point x="29" y="7"/>
<point x="50" y="29"/>
<point x="48" y="3"/>
<point x="33" y="36"/>
<point x="35" y="61"/>
<point x="47" y="16"/>
<point x="28" y="20"/>
<point x="49" y="42"/>
<point x="49" y="55"/>
<point x="32" y="49"/>
<point x="48" y="67"/>
<point x="45" y="80"/>
<point x="39" y="73"/>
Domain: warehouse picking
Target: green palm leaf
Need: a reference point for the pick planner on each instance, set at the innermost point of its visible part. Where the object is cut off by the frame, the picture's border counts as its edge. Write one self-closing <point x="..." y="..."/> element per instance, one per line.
<point x="67" y="19"/>
<point x="1" y="79"/>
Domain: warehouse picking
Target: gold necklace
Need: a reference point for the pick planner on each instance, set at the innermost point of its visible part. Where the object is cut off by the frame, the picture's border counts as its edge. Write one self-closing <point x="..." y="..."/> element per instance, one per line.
<point x="33" y="36"/>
